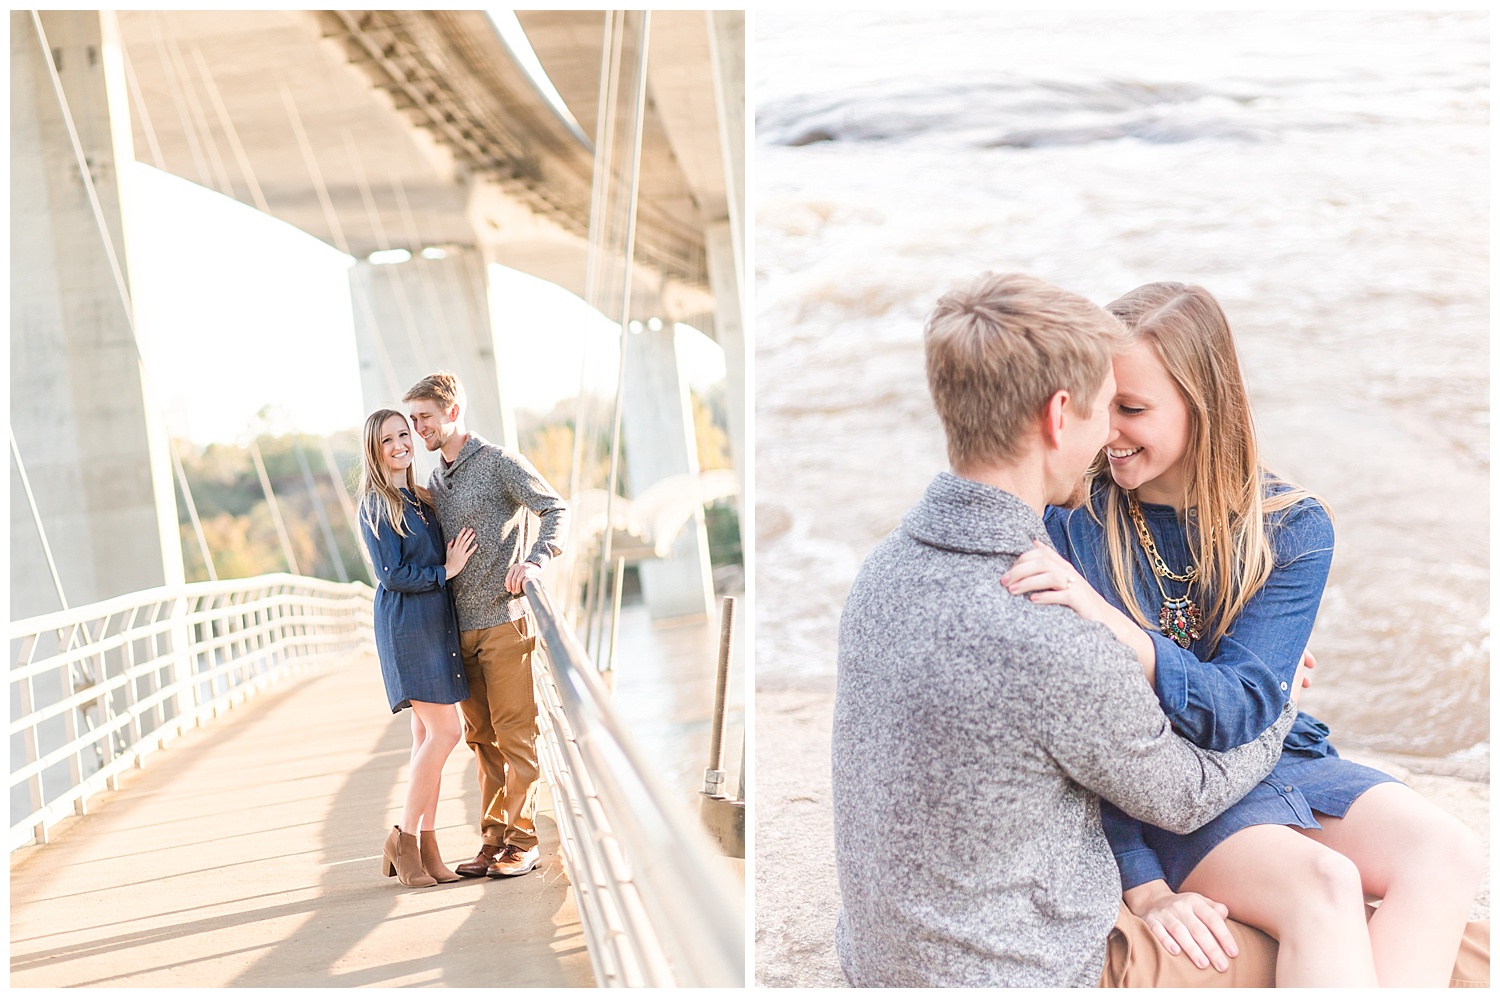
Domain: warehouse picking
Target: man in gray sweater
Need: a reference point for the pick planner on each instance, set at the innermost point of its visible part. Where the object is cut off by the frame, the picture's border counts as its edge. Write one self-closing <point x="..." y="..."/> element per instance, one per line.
<point x="490" y="489"/>
<point x="975" y="731"/>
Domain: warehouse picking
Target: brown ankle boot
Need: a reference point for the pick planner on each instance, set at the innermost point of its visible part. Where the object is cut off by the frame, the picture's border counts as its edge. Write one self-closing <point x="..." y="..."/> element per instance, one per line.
<point x="432" y="859"/>
<point x="401" y="860"/>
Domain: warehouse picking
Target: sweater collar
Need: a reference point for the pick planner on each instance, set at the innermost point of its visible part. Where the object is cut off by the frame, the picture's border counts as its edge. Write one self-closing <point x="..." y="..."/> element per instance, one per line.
<point x="963" y="515"/>
<point x="471" y="447"/>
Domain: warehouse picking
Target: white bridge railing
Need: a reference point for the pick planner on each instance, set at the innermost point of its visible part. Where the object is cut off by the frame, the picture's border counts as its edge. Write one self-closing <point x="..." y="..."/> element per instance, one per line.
<point x="654" y="899"/>
<point x="95" y="689"/>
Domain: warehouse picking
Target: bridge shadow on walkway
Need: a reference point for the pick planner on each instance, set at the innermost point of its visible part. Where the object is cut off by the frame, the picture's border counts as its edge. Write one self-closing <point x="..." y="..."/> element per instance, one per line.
<point x="248" y="853"/>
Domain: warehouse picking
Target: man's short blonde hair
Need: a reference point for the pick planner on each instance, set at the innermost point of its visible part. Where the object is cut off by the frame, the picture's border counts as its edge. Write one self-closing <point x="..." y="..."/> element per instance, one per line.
<point x="441" y="387"/>
<point x="1001" y="345"/>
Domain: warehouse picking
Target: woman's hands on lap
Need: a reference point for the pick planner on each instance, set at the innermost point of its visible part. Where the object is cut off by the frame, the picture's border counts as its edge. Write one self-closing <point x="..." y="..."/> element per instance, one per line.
<point x="1184" y="923"/>
<point x="459" y="551"/>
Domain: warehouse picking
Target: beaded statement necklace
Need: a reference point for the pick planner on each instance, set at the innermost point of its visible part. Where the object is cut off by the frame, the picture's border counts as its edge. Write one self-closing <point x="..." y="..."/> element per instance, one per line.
<point x="1179" y="619"/>
<point x="416" y="506"/>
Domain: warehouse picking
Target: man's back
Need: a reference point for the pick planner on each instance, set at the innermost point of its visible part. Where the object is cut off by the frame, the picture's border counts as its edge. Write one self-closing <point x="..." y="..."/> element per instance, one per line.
<point x="972" y="732"/>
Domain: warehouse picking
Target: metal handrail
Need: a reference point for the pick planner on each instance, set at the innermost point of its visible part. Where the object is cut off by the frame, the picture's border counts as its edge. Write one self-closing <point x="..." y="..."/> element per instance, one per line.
<point x="100" y="687"/>
<point x="657" y="907"/>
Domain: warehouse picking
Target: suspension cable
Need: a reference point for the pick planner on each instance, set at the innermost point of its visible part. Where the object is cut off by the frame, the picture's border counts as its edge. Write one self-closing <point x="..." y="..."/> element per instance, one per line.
<point x="139" y="100"/>
<point x="192" y="507"/>
<point x="634" y="196"/>
<point x="200" y="120"/>
<point x="599" y="235"/>
<point x="331" y="219"/>
<point x="434" y="296"/>
<point x="342" y="491"/>
<point x="312" y="489"/>
<point x="403" y="304"/>
<point x="36" y="517"/>
<point x="271" y="504"/>
<point x="230" y="132"/>
<point x="175" y="90"/>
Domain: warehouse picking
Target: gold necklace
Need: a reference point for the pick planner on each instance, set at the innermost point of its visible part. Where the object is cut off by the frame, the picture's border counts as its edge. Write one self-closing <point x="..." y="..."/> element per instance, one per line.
<point x="1179" y="619"/>
<point x="414" y="505"/>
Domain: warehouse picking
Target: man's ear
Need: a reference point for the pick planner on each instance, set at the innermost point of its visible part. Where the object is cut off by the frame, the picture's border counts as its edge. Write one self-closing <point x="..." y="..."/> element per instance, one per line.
<point x="1054" y="417"/>
<point x="453" y="413"/>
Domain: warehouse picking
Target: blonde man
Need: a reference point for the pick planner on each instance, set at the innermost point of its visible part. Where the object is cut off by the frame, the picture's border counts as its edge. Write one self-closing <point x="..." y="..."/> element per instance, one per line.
<point x="490" y="489"/>
<point x="975" y="731"/>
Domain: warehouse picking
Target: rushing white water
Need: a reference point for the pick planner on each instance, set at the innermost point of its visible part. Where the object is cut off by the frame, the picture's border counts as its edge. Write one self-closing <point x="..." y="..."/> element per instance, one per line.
<point x="1324" y="175"/>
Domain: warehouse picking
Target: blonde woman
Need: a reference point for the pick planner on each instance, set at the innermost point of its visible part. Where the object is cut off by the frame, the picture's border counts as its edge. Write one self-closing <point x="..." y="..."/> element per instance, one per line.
<point x="416" y="634"/>
<point x="1212" y="569"/>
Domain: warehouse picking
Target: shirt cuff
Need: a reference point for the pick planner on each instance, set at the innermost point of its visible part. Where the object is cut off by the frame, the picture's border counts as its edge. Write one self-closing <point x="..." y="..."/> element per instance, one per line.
<point x="1137" y="867"/>
<point x="1171" y="674"/>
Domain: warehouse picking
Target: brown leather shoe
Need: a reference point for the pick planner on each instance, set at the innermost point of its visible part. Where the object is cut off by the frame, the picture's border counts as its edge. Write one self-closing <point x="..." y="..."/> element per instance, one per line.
<point x="480" y="864"/>
<point x="514" y="861"/>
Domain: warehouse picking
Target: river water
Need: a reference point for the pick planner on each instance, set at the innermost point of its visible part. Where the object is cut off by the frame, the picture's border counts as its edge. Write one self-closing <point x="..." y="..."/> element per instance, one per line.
<point x="1324" y="175"/>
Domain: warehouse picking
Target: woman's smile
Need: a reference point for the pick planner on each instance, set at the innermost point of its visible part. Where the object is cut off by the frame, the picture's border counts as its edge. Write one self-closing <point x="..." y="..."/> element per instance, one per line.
<point x="395" y="444"/>
<point x="1148" y="427"/>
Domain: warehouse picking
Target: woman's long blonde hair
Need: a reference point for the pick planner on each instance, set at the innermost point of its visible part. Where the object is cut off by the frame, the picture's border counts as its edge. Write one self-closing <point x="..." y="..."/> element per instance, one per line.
<point x="378" y="498"/>
<point x="1224" y="479"/>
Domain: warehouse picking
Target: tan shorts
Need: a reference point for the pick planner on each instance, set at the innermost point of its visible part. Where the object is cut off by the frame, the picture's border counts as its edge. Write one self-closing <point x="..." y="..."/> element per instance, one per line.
<point x="1137" y="960"/>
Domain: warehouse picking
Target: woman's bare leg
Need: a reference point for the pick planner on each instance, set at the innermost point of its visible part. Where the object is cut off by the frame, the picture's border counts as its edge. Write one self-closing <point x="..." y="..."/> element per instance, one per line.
<point x="441" y="732"/>
<point x="1308" y="899"/>
<point x="1424" y="864"/>
<point x="418" y="735"/>
<point x="409" y="820"/>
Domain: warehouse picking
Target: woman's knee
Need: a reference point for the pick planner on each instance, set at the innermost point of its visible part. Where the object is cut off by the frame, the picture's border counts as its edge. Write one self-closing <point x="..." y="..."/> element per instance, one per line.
<point x="442" y="724"/>
<point x="1421" y="844"/>
<point x="451" y="736"/>
<point x="1325" y="883"/>
<point x="1449" y="852"/>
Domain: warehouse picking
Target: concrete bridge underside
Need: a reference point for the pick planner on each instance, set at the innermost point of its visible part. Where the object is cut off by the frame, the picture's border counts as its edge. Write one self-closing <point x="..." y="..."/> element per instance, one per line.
<point x="423" y="116"/>
<point x="371" y="130"/>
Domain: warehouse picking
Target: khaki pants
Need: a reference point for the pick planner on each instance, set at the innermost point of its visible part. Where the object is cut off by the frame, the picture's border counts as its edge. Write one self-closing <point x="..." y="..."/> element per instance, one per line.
<point x="500" y="726"/>
<point x="1137" y="960"/>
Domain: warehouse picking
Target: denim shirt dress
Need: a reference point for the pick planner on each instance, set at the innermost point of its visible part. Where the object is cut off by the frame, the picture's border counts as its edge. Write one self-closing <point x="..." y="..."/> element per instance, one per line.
<point x="1220" y="698"/>
<point x="416" y="631"/>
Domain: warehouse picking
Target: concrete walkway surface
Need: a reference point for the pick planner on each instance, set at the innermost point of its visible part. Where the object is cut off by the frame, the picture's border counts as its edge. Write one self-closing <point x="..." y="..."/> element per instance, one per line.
<point x="248" y="852"/>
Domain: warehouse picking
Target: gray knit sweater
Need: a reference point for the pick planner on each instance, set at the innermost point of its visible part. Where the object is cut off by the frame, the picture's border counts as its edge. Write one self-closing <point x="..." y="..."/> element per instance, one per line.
<point x="490" y="489"/>
<point x="974" y="732"/>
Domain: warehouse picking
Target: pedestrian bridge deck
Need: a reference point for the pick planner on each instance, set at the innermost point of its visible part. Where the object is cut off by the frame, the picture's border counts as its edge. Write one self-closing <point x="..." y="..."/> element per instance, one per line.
<point x="247" y="853"/>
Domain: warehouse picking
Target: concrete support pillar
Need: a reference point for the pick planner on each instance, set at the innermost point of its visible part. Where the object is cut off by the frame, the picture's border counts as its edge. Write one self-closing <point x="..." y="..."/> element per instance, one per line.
<point x="93" y="445"/>
<point x="425" y="315"/>
<point x="660" y="442"/>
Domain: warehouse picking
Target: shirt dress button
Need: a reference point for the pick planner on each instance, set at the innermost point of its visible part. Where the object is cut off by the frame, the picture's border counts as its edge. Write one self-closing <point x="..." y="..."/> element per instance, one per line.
<point x="1283" y="687"/>
<point x="1287" y="789"/>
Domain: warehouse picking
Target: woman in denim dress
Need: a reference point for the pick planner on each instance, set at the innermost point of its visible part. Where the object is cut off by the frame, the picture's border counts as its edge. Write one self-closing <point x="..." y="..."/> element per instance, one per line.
<point x="416" y="634"/>
<point x="1222" y="567"/>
